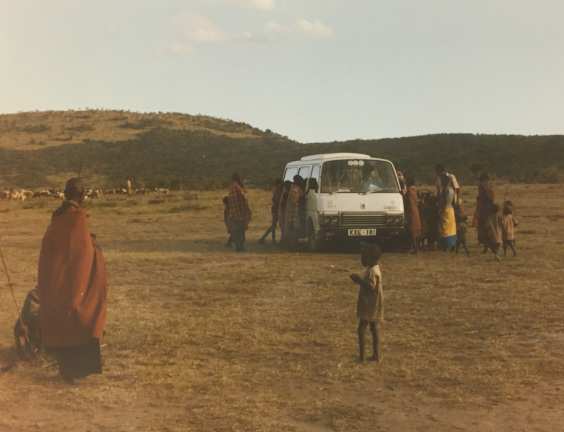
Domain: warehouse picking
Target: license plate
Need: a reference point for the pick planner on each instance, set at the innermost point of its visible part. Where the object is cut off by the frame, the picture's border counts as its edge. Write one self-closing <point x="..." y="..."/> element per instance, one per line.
<point x="362" y="232"/>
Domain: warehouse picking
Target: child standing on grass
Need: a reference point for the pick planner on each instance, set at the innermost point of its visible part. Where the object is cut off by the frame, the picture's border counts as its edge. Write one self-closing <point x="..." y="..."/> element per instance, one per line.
<point x="509" y="222"/>
<point x="461" y="228"/>
<point x="370" y="305"/>
<point x="494" y="229"/>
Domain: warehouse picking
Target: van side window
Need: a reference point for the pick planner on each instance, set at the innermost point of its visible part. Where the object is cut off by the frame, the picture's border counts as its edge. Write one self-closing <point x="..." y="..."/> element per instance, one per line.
<point x="315" y="172"/>
<point x="304" y="172"/>
<point x="313" y="182"/>
<point x="290" y="173"/>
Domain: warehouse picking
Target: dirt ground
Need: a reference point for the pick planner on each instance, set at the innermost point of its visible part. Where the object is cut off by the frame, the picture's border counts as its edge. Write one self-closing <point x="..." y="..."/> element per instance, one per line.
<point x="200" y="338"/>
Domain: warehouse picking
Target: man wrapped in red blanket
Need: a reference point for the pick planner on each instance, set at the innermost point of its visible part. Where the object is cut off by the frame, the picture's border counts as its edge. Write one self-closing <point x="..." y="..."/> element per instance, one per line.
<point x="72" y="289"/>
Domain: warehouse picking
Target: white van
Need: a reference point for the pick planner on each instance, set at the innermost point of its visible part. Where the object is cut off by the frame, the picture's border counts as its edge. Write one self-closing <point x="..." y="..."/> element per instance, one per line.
<point x="349" y="196"/>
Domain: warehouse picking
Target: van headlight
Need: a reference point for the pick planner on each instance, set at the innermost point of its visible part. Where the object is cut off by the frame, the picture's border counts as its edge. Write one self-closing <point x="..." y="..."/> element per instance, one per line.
<point x="329" y="220"/>
<point x="394" y="220"/>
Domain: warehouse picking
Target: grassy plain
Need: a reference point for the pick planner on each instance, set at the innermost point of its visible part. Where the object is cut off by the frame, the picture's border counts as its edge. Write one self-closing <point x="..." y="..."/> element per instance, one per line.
<point x="200" y="338"/>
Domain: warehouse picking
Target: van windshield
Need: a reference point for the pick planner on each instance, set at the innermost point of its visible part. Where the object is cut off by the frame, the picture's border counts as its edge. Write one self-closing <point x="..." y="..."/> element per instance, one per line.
<point x="358" y="176"/>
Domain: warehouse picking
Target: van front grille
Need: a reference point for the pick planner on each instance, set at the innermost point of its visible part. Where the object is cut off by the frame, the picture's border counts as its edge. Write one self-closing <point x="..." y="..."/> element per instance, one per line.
<point x="362" y="220"/>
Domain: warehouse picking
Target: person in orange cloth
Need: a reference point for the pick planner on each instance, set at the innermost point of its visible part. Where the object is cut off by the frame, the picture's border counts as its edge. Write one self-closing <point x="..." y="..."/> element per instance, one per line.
<point x="72" y="289"/>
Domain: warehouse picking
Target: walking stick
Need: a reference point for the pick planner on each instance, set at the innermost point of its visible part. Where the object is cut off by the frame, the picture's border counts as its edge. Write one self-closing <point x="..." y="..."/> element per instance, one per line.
<point x="11" y="285"/>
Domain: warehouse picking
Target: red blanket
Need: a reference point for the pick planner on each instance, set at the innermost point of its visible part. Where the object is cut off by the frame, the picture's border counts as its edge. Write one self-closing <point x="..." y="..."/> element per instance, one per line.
<point x="72" y="282"/>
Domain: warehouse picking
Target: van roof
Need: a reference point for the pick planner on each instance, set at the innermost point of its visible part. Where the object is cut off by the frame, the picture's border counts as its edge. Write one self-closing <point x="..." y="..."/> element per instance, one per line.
<point x="327" y="156"/>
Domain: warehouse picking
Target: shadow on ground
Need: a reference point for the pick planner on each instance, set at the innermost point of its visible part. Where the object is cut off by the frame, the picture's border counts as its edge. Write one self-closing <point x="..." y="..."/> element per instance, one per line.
<point x="217" y="245"/>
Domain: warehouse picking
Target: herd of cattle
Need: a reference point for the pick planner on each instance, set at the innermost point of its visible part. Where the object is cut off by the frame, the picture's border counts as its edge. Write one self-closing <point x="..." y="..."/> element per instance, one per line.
<point x="24" y="194"/>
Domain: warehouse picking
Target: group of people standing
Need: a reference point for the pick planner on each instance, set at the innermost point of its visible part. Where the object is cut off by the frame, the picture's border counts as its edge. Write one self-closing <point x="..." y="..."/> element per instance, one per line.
<point x="440" y="218"/>
<point x="287" y="212"/>
<point x="494" y="228"/>
<point x="435" y="217"/>
<point x="72" y="285"/>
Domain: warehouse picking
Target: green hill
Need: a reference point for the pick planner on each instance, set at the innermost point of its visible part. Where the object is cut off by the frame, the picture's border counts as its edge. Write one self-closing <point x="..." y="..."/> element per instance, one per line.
<point x="197" y="152"/>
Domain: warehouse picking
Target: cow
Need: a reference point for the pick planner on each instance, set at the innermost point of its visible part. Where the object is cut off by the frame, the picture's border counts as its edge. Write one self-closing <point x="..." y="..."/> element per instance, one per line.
<point x="42" y="193"/>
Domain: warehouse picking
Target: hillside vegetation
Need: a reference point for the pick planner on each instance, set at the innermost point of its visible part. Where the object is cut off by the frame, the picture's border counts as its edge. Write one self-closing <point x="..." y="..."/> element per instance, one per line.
<point x="180" y="151"/>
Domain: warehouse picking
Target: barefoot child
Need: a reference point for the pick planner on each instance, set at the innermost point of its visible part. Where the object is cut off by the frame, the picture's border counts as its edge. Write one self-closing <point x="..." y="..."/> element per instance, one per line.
<point x="461" y="229"/>
<point x="509" y="222"/>
<point x="370" y="306"/>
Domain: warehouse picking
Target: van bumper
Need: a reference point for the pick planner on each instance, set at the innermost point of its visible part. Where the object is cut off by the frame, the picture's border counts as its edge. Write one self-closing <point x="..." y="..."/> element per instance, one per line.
<point x="332" y="234"/>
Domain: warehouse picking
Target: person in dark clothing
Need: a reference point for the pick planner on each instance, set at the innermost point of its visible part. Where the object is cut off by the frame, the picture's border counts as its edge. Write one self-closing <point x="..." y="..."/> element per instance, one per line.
<point x="239" y="211"/>
<point x="229" y="224"/>
<point x="282" y="211"/>
<point x="294" y="215"/>
<point x="276" y="194"/>
<point x="485" y="200"/>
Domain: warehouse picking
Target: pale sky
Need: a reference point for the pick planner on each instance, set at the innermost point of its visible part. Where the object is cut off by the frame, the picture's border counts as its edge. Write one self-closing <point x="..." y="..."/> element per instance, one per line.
<point x="313" y="70"/>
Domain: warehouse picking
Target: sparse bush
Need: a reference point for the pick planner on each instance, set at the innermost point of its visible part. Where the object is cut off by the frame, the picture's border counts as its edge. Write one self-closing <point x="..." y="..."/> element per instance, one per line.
<point x="551" y="174"/>
<point x="34" y="128"/>
<point x="145" y="123"/>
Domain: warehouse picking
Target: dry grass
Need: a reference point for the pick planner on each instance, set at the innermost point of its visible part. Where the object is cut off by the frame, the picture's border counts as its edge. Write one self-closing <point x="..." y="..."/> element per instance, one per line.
<point x="35" y="130"/>
<point x="200" y="338"/>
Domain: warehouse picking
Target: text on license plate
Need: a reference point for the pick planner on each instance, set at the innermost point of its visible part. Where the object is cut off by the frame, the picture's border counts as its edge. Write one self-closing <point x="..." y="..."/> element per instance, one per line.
<point x="362" y="232"/>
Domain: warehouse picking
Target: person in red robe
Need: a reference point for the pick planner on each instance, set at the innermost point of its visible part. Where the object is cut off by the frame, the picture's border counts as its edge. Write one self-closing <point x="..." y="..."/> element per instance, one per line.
<point x="238" y="211"/>
<point x="412" y="217"/>
<point x="72" y="289"/>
